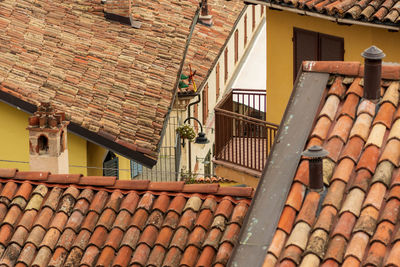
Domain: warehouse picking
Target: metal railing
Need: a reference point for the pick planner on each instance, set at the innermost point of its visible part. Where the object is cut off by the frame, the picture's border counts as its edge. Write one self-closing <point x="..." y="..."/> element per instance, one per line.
<point x="242" y="136"/>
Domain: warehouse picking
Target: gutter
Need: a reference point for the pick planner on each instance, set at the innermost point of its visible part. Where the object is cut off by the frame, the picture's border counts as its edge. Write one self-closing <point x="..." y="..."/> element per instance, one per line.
<point x="322" y="16"/>
<point x="190" y="147"/>
<point x="164" y="128"/>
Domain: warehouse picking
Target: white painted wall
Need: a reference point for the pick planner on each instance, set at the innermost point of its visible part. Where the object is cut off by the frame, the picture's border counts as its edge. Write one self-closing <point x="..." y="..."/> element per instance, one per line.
<point x="201" y="150"/>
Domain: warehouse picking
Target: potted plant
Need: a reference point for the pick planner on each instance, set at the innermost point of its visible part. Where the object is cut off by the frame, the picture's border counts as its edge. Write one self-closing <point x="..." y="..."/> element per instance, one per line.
<point x="186" y="132"/>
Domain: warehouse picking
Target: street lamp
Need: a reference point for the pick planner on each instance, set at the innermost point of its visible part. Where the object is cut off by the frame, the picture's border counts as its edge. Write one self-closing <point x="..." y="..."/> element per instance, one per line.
<point x="201" y="137"/>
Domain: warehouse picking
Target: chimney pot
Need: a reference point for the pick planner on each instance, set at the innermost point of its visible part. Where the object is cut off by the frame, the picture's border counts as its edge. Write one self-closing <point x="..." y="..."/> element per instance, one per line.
<point x="372" y="72"/>
<point x="205" y="17"/>
<point x="315" y="155"/>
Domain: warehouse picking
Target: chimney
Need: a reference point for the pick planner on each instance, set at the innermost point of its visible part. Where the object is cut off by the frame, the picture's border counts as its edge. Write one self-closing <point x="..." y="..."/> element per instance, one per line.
<point x="48" y="140"/>
<point x="372" y="73"/>
<point x="315" y="155"/>
<point x="205" y="17"/>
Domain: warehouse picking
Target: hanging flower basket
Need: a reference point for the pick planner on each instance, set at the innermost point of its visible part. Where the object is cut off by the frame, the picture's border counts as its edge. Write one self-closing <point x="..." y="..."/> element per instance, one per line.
<point x="186" y="132"/>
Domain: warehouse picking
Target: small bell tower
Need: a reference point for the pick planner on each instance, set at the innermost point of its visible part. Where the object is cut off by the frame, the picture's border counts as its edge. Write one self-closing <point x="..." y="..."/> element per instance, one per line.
<point x="48" y="140"/>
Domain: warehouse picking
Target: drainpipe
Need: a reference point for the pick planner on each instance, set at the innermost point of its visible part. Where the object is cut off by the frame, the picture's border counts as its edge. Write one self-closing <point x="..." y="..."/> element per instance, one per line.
<point x="372" y="73"/>
<point x="189" y="143"/>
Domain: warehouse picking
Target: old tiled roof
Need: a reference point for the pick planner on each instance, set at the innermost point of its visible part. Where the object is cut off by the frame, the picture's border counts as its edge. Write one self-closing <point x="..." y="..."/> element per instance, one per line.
<point x="385" y="12"/>
<point x="111" y="79"/>
<point x="208" y="42"/>
<point x="356" y="221"/>
<point x="70" y="220"/>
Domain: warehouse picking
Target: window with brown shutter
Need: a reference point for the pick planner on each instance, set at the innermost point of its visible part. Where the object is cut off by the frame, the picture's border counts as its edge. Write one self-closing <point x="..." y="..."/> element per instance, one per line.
<point x="205" y="104"/>
<point x="262" y="10"/>
<point x="245" y="30"/>
<point x="196" y="115"/>
<point x="253" y="17"/>
<point x="236" y="46"/>
<point x="217" y="81"/>
<point x="226" y="64"/>
<point x="309" y="45"/>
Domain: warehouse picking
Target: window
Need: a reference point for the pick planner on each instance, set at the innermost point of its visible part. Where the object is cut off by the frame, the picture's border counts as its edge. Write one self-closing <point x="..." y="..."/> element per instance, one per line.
<point x="308" y="45"/>
<point x="205" y="104"/>
<point x="262" y="10"/>
<point x="226" y="64"/>
<point x="236" y="46"/>
<point x="43" y="144"/>
<point x="217" y="81"/>
<point x="253" y="17"/>
<point x="136" y="169"/>
<point x="245" y="30"/>
<point x="110" y="165"/>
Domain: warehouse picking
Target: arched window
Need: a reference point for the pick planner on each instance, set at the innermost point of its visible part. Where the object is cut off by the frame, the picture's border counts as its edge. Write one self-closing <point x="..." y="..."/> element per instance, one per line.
<point x="43" y="144"/>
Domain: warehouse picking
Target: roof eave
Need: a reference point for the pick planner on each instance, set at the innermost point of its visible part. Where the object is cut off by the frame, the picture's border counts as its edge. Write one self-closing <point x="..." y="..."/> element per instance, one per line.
<point x="96" y="138"/>
<point x="323" y="16"/>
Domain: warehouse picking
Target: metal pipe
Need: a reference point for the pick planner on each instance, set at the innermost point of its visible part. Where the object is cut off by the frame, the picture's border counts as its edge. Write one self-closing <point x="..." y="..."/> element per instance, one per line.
<point x="372" y="72"/>
<point x="189" y="145"/>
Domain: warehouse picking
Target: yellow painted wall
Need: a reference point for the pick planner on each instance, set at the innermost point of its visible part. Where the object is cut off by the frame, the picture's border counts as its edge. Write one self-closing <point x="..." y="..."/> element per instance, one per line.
<point x="14" y="144"/>
<point x="280" y="51"/>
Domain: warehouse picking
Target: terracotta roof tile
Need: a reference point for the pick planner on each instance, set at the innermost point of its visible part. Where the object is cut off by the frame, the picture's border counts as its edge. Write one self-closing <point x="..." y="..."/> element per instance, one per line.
<point x="369" y="159"/>
<point x="111" y="226"/>
<point x="322" y="127"/>
<point x="287" y="218"/>
<point x="326" y="218"/>
<point x="391" y="152"/>
<point x="358" y="218"/>
<point x="277" y="243"/>
<point x="132" y="118"/>
<point x="336" y="248"/>
<point x="350" y="106"/>
<point x="385" y="115"/>
<point x="291" y="253"/>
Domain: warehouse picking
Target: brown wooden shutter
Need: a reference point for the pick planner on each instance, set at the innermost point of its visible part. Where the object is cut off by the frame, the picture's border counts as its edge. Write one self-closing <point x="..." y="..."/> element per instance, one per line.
<point x="217" y="81"/>
<point x="331" y="47"/>
<point x="226" y="64"/>
<point x="308" y="45"/>
<point x="236" y="46"/>
<point x="205" y="104"/>
<point x="262" y="10"/>
<point x="305" y="47"/>
<point x="245" y="30"/>
<point x="253" y="17"/>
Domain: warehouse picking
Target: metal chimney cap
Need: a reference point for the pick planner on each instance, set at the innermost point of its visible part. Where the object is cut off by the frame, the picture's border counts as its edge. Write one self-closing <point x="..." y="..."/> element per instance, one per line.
<point x="373" y="52"/>
<point x="315" y="152"/>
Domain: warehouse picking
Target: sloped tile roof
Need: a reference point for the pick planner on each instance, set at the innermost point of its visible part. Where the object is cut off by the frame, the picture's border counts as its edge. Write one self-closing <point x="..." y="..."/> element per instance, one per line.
<point x="70" y="220"/>
<point x="385" y="12"/>
<point x="111" y="79"/>
<point x="356" y="221"/>
<point x="208" y="42"/>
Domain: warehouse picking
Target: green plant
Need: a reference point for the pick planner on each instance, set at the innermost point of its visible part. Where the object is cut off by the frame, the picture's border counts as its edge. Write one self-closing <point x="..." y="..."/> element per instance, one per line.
<point x="188" y="177"/>
<point x="186" y="132"/>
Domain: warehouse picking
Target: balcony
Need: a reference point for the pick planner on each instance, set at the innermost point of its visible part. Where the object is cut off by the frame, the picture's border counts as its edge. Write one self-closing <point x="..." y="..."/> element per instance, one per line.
<point x="242" y="136"/>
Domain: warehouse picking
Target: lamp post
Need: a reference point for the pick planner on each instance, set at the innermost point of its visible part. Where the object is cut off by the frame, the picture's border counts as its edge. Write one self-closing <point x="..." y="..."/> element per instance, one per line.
<point x="200" y="139"/>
